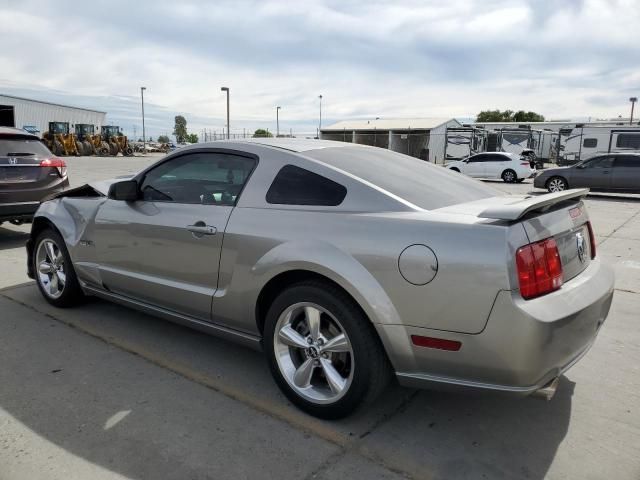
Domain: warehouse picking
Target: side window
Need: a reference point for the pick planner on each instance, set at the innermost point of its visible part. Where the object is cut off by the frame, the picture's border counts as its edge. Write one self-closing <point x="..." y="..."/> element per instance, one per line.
<point x="204" y="178"/>
<point x="600" y="162"/>
<point x="590" y="143"/>
<point x="628" y="140"/>
<point x="498" y="158"/>
<point x="628" y="161"/>
<point x="477" y="158"/>
<point x="297" y="186"/>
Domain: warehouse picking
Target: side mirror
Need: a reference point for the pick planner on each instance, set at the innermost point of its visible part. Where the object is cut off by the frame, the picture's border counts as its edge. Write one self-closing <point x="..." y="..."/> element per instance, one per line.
<point x="126" y="190"/>
<point x="580" y="166"/>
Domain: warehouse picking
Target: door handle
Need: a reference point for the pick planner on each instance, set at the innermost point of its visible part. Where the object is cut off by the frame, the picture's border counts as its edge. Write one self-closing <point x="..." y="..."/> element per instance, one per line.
<point x="200" y="228"/>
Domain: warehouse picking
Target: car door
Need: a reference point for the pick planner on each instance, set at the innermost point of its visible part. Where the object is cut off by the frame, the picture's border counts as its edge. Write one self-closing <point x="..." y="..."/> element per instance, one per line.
<point x="494" y="165"/>
<point x="164" y="249"/>
<point x="626" y="173"/>
<point x="595" y="173"/>
<point x="474" y="166"/>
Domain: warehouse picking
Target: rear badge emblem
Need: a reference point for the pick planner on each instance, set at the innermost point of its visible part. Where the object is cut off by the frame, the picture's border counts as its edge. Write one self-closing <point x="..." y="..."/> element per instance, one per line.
<point x="13" y="161"/>
<point x="580" y="245"/>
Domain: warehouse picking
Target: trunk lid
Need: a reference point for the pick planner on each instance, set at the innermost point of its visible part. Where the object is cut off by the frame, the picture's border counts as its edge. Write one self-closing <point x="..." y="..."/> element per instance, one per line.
<point x="562" y="216"/>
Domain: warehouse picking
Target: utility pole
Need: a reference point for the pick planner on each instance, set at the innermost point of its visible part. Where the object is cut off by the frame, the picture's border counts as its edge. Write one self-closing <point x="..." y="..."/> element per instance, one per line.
<point x="633" y="101"/>
<point x="320" y="122"/>
<point x="226" y="89"/>
<point x="144" y="137"/>
<point x="277" y="122"/>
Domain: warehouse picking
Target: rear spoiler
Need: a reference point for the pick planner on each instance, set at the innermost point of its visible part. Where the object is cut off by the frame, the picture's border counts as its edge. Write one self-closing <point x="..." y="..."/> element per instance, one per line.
<point x="520" y="208"/>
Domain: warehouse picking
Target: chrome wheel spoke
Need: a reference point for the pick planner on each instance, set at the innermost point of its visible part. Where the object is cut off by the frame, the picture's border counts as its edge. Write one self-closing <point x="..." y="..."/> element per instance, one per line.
<point x="337" y="344"/>
<point x="312" y="316"/>
<point x="45" y="267"/>
<point x="62" y="278"/>
<point x="51" y="253"/>
<point x="289" y="336"/>
<point x="53" y="284"/>
<point x="334" y="379"/>
<point x="302" y="377"/>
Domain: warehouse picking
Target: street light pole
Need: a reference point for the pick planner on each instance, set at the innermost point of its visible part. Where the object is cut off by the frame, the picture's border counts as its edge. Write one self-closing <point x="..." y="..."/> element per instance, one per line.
<point x="144" y="138"/>
<point x="277" y="122"/>
<point x="320" y="123"/>
<point x="226" y="89"/>
<point x="633" y="101"/>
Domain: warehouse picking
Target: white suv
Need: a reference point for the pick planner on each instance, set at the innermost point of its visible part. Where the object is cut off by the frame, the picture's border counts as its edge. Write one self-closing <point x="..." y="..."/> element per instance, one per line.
<point x="507" y="166"/>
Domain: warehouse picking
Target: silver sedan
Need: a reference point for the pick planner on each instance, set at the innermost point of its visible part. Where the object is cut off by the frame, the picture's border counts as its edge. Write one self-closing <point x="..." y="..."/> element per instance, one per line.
<point x="348" y="265"/>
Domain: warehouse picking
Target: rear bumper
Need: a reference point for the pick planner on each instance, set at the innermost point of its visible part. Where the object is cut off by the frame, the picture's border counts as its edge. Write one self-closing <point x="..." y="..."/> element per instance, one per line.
<point x="18" y="211"/>
<point x="21" y="204"/>
<point x="524" y="346"/>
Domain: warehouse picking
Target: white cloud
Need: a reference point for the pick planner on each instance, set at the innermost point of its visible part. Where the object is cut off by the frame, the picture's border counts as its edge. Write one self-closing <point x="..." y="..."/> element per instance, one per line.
<point x="367" y="58"/>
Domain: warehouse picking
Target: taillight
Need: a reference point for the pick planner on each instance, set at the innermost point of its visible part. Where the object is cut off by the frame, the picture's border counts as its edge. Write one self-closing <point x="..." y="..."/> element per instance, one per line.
<point x="525" y="164"/>
<point x="56" y="163"/>
<point x="592" y="240"/>
<point x="539" y="268"/>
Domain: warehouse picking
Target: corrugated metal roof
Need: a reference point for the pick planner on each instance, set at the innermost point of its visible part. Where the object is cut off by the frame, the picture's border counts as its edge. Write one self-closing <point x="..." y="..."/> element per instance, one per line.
<point x="389" y="124"/>
<point x="49" y="103"/>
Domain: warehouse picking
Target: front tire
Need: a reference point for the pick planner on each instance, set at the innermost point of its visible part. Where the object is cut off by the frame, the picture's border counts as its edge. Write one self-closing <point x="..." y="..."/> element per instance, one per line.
<point x="55" y="276"/>
<point x="557" y="184"/>
<point x="322" y="350"/>
<point x="454" y="169"/>
<point x="509" y="176"/>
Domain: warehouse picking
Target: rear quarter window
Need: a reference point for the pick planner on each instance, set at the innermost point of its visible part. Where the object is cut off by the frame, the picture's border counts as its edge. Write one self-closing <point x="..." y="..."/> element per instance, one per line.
<point x="297" y="186"/>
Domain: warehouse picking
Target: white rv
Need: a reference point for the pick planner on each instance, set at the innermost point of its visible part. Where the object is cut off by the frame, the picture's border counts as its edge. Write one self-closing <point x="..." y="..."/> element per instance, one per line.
<point x="583" y="142"/>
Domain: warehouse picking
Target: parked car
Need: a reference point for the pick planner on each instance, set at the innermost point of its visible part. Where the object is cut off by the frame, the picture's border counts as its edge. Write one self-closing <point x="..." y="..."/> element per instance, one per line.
<point x="343" y="262"/>
<point x="507" y="166"/>
<point x="28" y="173"/>
<point x="615" y="172"/>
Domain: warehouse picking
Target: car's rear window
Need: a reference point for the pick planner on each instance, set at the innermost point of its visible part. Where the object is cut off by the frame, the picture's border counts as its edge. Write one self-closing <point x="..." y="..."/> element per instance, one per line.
<point x="422" y="183"/>
<point x="22" y="146"/>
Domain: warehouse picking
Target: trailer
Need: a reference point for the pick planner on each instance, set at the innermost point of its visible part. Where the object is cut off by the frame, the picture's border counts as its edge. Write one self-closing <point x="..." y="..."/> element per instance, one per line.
<point x="462" y="142"/>
<point x="582" y="142"/>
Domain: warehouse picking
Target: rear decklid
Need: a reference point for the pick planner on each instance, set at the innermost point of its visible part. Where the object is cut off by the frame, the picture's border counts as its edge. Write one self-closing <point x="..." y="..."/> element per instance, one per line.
<point x="561" y="216"/>
<point x="20" y="161"/>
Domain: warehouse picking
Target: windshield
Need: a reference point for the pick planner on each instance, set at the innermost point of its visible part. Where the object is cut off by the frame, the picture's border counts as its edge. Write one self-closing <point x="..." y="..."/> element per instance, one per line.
<point x="22" y="147"/>
<point x="422" y="183"/>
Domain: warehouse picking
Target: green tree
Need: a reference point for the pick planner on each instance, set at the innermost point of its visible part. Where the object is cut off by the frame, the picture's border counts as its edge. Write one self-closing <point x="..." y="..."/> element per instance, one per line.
<point x="163" y="139"/>
<point x="180" y="129"/>
<point x="261" y="132"/>
<point x="508" y="116"/>
<point x="192" y="138"/>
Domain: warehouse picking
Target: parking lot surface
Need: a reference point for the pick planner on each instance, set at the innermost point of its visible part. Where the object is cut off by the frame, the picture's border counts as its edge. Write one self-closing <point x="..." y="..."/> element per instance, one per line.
<point x="104" y="392"/>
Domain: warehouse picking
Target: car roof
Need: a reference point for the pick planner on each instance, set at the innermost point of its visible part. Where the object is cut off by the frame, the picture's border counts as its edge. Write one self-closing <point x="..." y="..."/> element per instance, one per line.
<point x="16" y="131"/>
<point x="297" y="145"/>
<point x="506" y="154"/>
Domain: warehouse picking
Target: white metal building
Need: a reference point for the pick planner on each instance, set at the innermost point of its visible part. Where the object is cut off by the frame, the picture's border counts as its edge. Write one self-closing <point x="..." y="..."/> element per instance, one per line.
<point x="36" y="115"/>
<point x="419" y="137"/>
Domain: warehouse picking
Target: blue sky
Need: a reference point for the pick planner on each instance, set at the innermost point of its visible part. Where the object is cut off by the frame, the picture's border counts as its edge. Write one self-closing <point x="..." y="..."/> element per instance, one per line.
<point x="571" y="58"/>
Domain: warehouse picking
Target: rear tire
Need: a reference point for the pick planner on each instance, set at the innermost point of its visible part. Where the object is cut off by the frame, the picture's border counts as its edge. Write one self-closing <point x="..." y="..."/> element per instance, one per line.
<point x="557" y="184"/>
<point x="509" y="176"/>
<point x="329" y="383"/>
<point x="54" y="272"/>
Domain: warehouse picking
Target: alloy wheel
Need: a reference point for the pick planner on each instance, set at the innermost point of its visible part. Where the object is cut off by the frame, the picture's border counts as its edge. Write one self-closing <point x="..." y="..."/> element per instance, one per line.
<point x="314" y="353"/>
<point x="556" y="185"/>
<point x="51" y="268"/>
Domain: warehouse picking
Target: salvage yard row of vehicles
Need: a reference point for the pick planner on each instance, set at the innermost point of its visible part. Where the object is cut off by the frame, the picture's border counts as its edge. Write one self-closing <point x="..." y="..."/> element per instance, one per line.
<point x="85" y="141"/>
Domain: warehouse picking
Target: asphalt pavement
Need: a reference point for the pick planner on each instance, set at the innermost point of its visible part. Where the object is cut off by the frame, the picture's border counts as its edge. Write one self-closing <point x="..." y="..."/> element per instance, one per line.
<point x="104" y="392"/>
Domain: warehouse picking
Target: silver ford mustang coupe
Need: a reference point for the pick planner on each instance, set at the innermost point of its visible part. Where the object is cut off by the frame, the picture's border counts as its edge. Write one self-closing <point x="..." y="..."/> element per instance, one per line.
<point x="348" y="265"/>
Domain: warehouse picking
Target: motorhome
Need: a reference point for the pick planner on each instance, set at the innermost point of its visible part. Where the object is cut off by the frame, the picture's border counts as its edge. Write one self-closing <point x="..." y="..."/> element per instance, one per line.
<point x="582" y="142"/>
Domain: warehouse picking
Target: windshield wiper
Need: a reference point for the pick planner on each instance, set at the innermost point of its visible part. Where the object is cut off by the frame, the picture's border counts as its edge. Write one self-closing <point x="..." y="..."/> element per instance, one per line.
<point x="20" y="154"/>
